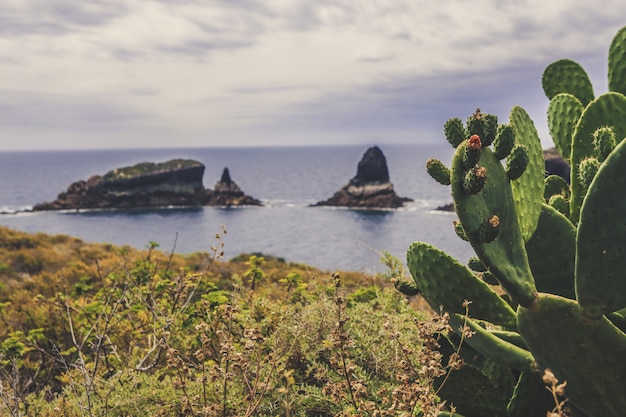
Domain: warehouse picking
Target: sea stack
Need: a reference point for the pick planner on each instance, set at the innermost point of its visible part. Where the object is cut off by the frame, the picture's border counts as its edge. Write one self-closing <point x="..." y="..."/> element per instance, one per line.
<point x="227" y="193"/>
<point x="370" y="188"/>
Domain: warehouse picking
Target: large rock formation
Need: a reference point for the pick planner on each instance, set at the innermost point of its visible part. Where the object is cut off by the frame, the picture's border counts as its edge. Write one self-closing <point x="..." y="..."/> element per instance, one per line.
<point x="227" y="193"/>
<point x="174" y="183"/>
<point x="370" y="188"/>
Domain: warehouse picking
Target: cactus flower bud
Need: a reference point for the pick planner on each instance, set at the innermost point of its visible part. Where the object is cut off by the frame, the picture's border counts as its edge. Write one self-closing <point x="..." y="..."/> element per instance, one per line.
<point x="504" y="143"/>
<point x="454" y="131"/>
<point x="516" y="162"/>
<point x="438" y="171"/>
<point x="475" y="180"/>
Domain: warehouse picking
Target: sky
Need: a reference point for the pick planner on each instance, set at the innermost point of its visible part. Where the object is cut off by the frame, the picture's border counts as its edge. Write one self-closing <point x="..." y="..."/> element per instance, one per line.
<point x="191" y="73"/>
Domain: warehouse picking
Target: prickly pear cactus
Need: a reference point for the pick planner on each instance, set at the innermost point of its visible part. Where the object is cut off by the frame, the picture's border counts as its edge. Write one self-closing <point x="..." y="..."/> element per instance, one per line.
<point x="559" y="253"/>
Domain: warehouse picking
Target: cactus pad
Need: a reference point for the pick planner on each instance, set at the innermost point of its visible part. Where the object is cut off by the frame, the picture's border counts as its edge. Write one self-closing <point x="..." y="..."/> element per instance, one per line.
<point x="617" y="63"/>
<point x="505" y="256"/>
<point x="443" y="281"/>
<point x="589" y="354"/>
<point x="601" y="243"/>
<point x="491" y="346"/>
<point x="567" y="76"/>
<point x="551" y="253"/>
<point x="607" y="110"/>
<point x="564" y="112"/>
<point x="528" y="188"/>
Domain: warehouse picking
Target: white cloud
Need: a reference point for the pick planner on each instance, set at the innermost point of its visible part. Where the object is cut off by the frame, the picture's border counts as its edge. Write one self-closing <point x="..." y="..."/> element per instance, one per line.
<point x="199" y="71"/>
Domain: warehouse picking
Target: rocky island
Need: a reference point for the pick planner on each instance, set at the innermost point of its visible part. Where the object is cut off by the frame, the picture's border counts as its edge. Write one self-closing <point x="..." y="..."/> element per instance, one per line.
<point x="227" y="193"/>
<point x="177" y="182"/>
<point x="370" y="188"/>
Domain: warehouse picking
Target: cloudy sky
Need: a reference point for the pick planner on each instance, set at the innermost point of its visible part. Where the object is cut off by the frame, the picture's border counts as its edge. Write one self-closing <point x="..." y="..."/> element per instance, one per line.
<point x="150" y="73"/>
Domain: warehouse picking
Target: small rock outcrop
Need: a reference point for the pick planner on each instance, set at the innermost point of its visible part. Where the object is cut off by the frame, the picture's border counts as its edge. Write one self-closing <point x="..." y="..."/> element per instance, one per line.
<point x="173" y="183"/>
<point x="227" y="193"/>
<point x="370" y="188"/>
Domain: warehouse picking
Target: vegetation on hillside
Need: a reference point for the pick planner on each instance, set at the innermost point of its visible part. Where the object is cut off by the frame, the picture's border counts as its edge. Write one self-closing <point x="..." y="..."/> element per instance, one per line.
<point x="100" y="330"/>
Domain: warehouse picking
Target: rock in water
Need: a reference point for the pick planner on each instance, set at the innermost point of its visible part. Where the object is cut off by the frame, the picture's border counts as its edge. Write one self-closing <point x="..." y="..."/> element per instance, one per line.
<point x="227" y="193"/>
<point x="173" y="183"/>
<point x="370" y="188"/>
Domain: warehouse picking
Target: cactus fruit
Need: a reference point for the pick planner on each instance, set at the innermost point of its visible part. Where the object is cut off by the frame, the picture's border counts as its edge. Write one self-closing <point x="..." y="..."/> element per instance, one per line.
<point x="476" y="124"/>
<point x="604" y="142"/>
<point x="587" y="170"/>
<point x="516" y="163"/>
<point x="559" y="203"/>
<point x="460" y="232"/>
<point x="475" y="179"/>
<point x="488" y="230"/>
<point x="504" y="142"/>
<point x="476" y="265"/>
<point x="438" y="171"/>
<point x="472" y="151"/>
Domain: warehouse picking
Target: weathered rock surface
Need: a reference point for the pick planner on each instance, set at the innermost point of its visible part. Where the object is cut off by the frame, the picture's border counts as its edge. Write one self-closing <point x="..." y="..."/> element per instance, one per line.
<point x="227" y="193"/>
<point x="370" y="188"/>
<point x="173" y="183"/>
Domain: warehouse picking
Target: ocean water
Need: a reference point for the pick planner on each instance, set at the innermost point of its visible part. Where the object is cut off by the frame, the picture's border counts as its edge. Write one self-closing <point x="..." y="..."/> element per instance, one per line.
<point x="287" y="180"/>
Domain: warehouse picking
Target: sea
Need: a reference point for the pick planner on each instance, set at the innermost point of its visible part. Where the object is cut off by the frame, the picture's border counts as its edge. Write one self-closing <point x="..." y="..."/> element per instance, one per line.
<point x="286" y="179"/>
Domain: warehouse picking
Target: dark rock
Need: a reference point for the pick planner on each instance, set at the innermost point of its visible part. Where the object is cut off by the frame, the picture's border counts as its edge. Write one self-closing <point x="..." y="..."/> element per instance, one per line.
<point x="372" y="167"/>
<point x="446" y="207"/>
<point x="174" y="183"/>
<point x="370" y="188"/>
<point x="555" y="164"/>
<point x="227" y="193"/>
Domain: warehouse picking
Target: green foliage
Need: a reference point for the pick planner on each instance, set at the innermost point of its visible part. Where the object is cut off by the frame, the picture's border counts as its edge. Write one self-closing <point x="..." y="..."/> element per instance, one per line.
<point x="565" y="276"/>
<point x="148" y="168"/>
<point x="102" y="330"/>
